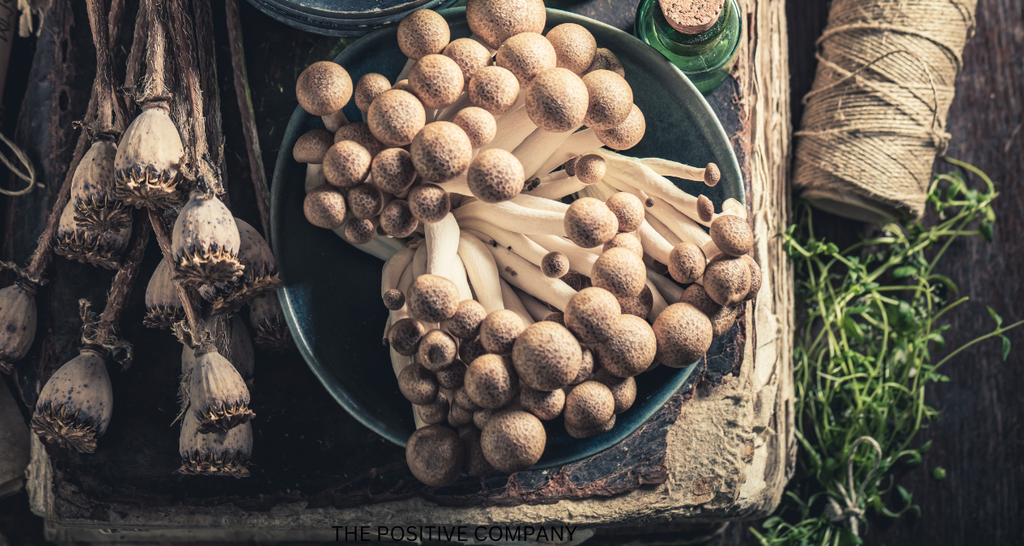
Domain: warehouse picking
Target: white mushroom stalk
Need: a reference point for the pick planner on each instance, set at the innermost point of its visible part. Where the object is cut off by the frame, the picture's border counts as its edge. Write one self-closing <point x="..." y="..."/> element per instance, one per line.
<point x="581" y="260"/>
<point x="537" y="309"/>
<point x="515" y="304"/>
<point x="517" y="242"/>
<point x="482" y="272"/>
<point x="522" y="274"/>
<point x="514" y="217"/>
<point x="442" y="242"/>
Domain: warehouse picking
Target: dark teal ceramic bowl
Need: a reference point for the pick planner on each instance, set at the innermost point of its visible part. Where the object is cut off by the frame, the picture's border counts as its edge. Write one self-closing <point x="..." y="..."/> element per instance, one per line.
<point x="331" y="296"/>
<point x="343" y="17"/>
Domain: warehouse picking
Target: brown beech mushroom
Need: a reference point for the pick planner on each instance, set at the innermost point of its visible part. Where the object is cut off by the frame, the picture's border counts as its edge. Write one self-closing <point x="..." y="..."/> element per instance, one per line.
<point x="610" y="99"/>
<point x="394" y="299"/>
<point x="639" y="305"/>
<point x="452" y="376"/>
<point x="576" y="432"/>
<point x="686" y="263"/>
<point x="495" y="21"/>
<point x="623" y="389"/>
<point x="526" y="55"/>
<point x="513" y="440"/>
<point x="557" y="317"/>
<point x="473" y="455"/>
<point x="471" y="349"/>
<point x="498" y="332"/>
<point x="325" y="207"/>
<point x="556" y="101"/>
<point x="469" y="54"/>
<point x="495" y="175"/>
<point x="627" y="241"/>
<point x="621" y="272"/>
<point x="432" y="298"/>
<point x="494" y="89"/>
<point x="429" y="203"/>
<point x="727" y="279"/>
<point x="311" y="146"/>
<point x="465" y="323"/>
<point x="586" y="367"/>
<point x="435" y="454"/>
<point x="590" y="169"/>
<point x="359" y="231"/>
<point x="705" y="209"/>
<point x="629" y="350"/>
<point x="589" y="405"/>
<point x="463" y="400"/>
<point x="404" y="336"/>
<point x="346" y="164"/>
<point x="360" y="133"/>
<point x="423" y="32"/>
<point x="401" y="85"/>
<point x="554" y="265"/>
<point x="478" y="124"/>
<point x="683" y="334"/>
<point x="368" y="88"/>
<point x="441" y="151"/>
<point x="393" y="171"/>
<point x="491" y="382"/>
<point x="546" y="356"/>
<point x="755" y="277"/>
<point x="365" y="201"/>
<point x="592" y="314"/>
<point x="323" y="88"/>
<point x="722" y="318"/>
<point x="435" y="412"/>
<point x="417" y="384"/>
<point x="574" y="47"/>
<point x="459" y="416"/>
<point x="546" y="405"/>
<point x="437" y="81"/>
<point x="604" y="59"/>
<point x="480" y="417"/>
<point x="397" y="219"/>
<point x="395" y="117"/>
<point x="732" y="234"/>
<point x="589" y="223"/>
<point x="437" y="350"/>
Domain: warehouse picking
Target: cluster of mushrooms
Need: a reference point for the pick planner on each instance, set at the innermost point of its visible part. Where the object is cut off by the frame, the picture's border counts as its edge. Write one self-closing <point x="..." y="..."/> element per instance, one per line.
<point x="507" y="305"/>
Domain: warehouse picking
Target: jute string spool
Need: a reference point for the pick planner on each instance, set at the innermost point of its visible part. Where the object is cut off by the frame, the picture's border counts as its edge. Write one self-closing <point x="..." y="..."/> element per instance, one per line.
<point x="875" y="117"/>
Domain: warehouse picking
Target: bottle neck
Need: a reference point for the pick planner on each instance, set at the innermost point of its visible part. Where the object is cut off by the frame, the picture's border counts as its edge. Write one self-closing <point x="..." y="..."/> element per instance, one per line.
<point x="690" y="45"/>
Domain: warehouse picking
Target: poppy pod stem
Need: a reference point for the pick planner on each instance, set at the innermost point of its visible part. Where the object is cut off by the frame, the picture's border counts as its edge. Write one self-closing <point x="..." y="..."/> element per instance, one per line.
<point x="104" y="84"/>
<point x="195" y="319"/>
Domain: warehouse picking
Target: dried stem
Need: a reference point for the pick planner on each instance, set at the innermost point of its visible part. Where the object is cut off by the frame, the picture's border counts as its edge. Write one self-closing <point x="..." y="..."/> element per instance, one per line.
<point x="131" y="77"/>
<point x="121" y="288"/>
<point x="156" y="52"/>
<point x="252" y="141"/>
<point x="208" y="74"/>
<point x="163" y="238"/>
<point x="103" y="87"/>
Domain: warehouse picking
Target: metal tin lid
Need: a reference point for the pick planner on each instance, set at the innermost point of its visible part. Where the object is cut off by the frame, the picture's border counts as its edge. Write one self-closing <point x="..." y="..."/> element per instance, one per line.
<point x="343" y="18"/>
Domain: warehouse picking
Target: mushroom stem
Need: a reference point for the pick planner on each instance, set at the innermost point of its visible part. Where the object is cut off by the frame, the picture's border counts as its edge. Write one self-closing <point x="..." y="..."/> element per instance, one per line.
<point x="675" y="222"/>
<point x="654" y="243"/>
<point x="669" y="290"/>
<point x="512" y="129"/>
<point x="448" y="113"/>
<point x="659" y="303"/>
<point x="517" y="242"/>
<point x="537" y="309"/>
<point x="442" y="242"/>
<point x="460" y="278"/>
<point x="640" y="176"/>
<point x="664" y="230"/>
<point x="314" y="176"/>
<point x="482" y="272"/>
<point x="710" y="174"/>
<point x="514" y="304"/>
<point x="514" y="217"/>
<point x="536" y="149"/>
<point x="557" y="186"/>
<point x="522" y="274"/>
<point x="581" y="260"/>
<point x="581" y="142"/>
<point x="335" y="121"/>
<point x="540" y="203"/>
<point x="394" y="267"/>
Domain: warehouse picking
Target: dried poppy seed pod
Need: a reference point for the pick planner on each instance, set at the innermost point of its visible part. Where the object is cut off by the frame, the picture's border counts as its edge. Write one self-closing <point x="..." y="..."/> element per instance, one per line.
<point x="233" y="343"/>
<point x="93" y="190"/>
<point x="217" y="392"/>
<point x="17" y="324"/>
<point x="75" y="405"/>
<point x="205" y="243"/>
<point x="163" y="307"/>
<point x="214" y="453"/>
<point x="258" y="277"/>
<point x="267" y="319"/>
<point x="147" y="165"/>
<point x="88" y="245"/>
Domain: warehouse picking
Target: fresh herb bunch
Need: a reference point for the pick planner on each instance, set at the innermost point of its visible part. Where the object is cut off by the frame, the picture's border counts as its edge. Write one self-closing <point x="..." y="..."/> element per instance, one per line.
<point x="864" y="356"/>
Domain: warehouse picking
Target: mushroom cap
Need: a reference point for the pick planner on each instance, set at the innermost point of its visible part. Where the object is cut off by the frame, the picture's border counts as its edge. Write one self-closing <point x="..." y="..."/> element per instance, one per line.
<point x="586" y="367"/>
<point x="437" y="81"/>
<point x="627" y="241"/>
<point x="574" y="46"/>
<point x="465" y="323"/>
<point x="441" y="151"/>
<point x="491" y="381"/>
<point x="401" y="85"/>
<point x="495" y="21"/>
<point x="591" y="169"/>
<point x="576" y="281"/>
<point x="429" y="203"/>
<point x="722" y="318"/>
<point x="432" y="298"/>
<point x="469" y="54"/>
<point x="495" y="175"/>
<point x="686" y="263"/>
<point x="368" y="88"/>
<point x="423" y="32"/>
<point x="554" y="265"/>
<point x="498" y="332"/>
<point x="626" y="134"/>
<point x="590" y="432"/>
<point x="526" y="55"/>
<point x="546" y="356"/>
<point x="556" y="101"/>
<point x="513" y="440"/>
<point x="395" y="117"/>
<point x="683" y="334"/>
<point x="604" y="59"/>
<point x="463" y="400"/>
<point x="732" y="234"/>
<point x="712" y="175"/>
<point x="359" y="132"/>
<point x="589" y="405"/>
<point x="365" y="201"/>
<point x="494" y="89"/>
<point x="435" y="455"/>
<point x="623" y="389"/>
<point x="452" y="376"/>
<point x="591" y="314"/>
<point x="435" y="412"/>
<point x="557" y="317"/>
<point x="727" y="279"/>
<point x="404" y="336"/>
<point x="480" y="418"/>
<point x="459" y="416"/>
<point x="473" y="455"/>
<point x="394" y="299"/>
<point x="323" y="88"/>
<point x="546" y="405"/>
<point x="629" y="350"/>
<point x="620" y="271"/>
<point x="755" y="277"/>
<point x="437" y="350"/>
<point x="346" y="164"/>
<point x="418" y="384"/>
<point x="610" y="99"/>
<point x="325" y="207"/>
<point x="639" y="305"/>
<point x="471" y="349"/>
<point x="589" y="223"/>
<point x="311" y="146"/>
<point x="705" y="208"/>
<point x="570" y="166"/>
<point x="397" y="219"/>
<point x="392" y="170"/>
<point x="478" y="124"/>
<point x="359" y="231"/>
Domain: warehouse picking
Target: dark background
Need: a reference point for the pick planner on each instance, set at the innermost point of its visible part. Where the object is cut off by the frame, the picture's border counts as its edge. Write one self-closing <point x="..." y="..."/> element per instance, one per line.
<point x="978" y="438"/>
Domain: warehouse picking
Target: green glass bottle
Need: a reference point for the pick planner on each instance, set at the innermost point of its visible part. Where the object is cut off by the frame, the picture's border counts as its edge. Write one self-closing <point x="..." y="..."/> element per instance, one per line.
<point x="706" y="56"/>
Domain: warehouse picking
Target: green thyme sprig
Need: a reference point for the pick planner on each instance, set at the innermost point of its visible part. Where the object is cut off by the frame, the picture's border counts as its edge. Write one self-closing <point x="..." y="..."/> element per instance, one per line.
<point x="872" y="318"/>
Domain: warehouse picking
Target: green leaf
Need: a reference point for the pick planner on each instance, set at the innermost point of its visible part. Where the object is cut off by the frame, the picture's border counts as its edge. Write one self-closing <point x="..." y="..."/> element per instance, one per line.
<point x="1006" y="347"/>
<point x="903" y="272"/>
<point x="939" y="473"/>
<point x="925" y="447"/>
<point x="995" y="316"/>
<point x="904" y="494"/>
<point x="986" y="229"/>
<point x="771" y="522"/>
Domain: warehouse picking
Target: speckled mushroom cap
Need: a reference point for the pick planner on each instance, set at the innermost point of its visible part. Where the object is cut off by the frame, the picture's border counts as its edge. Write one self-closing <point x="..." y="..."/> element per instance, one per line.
<point x="432" y="298"/>
<point x="683" y="334"/>
<point x="494" y="89"/>
<point x="627" y="241"/>
<point x="576" y="432"/>
<point x="393" y="171"/>
<point x="435" y="412"/>
<point x="323" y="88"/>
<point x="471" y="349"/>
<point x="513" y="440"/>
<point x="395" y="117"/>
<point x="554" y="265"/>
<point x="465" y="323"/>
<point x="495" y="21"/>
<point x="429" y="203"/>
<point x="712" y="176"/>
<point x="589" y="405"/>
<point x="611" y="99"/>
<point x="556" y="100"/>
<point x="495" y="175"/>
<point x="604" y="59"/>
<point x="441" y="151"/>
<point x="686" y="263"/>
<point x="437" y="81"/>
<point x="629" y="350"/>
<point x="574" y="46"/>
<point x="404" y="336"/>
<point x="586" y="367"/>
<point x="452" y="375"/>
<point x="417" y="384"/>
<point x="311" y="146"/>
<point x="628" y="209"/>
<point x="755" y="277"/>
<point x="423" y="32"/>
<point x="346" y="164"/>
<point x="394" y="299"/>
<point x="463" y="399"/>
<point x="369" y="87"/>
<point x="590" y="169"/>
<point x="721" y="318"/>
<point x="620" y="271"/>
<point x="365" y="201"/>
<point x="469" y="54"/>
<point x="435" y="454"/>
<point x="359" y="132"/>
<point x="626" y="134"/>
<point x="498" y="332"/>
<point x="325" y="207"/>
<point x="397" y="219"/>
<point x="639" y="305"/>
<point x="526" y="55"/>
<point x="591" y="314"/>
<point x="491" y="381"/>
<point x="545" y="405"/>
<point x="474" y="461"/>
<point x="589" y="223"/>
<point x="727" y="279"/>
<point x="623" y="389"/>
<point x="732" y="234"/>
<point x="478" y="124"/>
<point x="546" y="356"/>
<point x="705" y="208"/>
<point x="437" y="349"/>
<point x="459" y="416"/>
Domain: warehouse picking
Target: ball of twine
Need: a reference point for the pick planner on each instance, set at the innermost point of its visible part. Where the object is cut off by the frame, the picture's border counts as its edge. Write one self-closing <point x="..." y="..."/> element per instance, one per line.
<point x="876" y="115"/>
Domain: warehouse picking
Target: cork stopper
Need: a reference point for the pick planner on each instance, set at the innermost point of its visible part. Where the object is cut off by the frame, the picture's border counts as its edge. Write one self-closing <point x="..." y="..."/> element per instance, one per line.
<point x="691" y="16"/>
